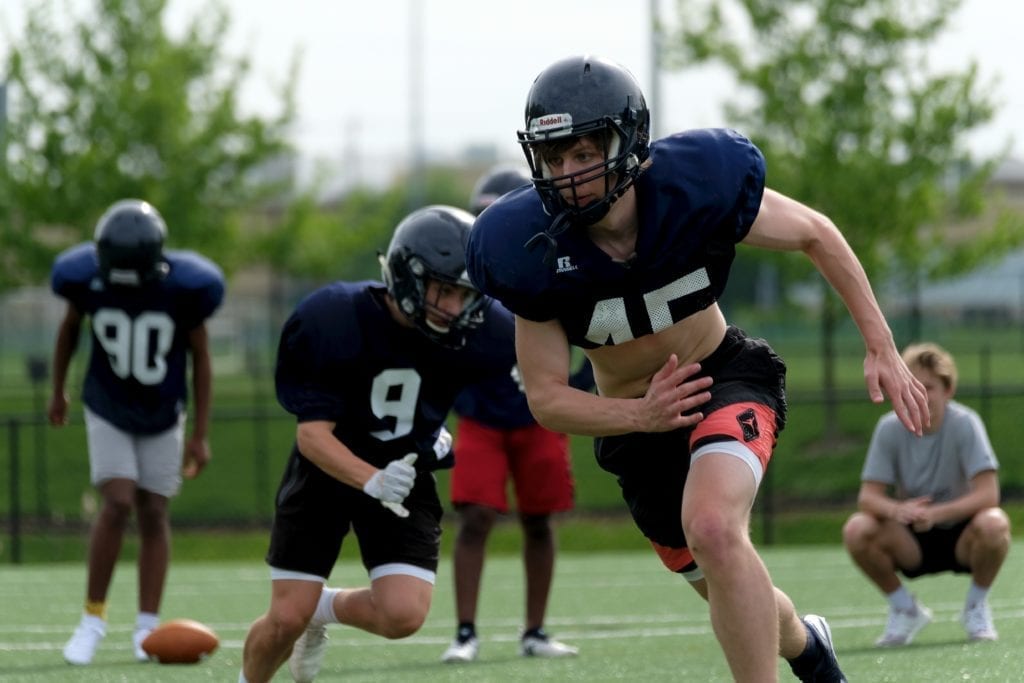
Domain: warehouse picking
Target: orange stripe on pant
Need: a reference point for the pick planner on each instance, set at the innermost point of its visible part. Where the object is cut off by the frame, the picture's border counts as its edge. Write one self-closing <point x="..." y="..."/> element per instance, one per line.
<point x="676" y="559"/>
<point x="751" y="424"/>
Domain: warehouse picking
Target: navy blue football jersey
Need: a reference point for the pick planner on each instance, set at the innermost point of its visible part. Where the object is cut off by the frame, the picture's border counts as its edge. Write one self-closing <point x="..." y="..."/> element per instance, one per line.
<point x="388" y="388"/>
<point x="697" y="199"/>
<point x="136" y="377"/>
<point x="499" y="401"/>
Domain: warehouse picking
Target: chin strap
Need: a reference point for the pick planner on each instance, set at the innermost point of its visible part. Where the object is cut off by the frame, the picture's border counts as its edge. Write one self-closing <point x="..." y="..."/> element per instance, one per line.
<point x="547" y="237"/>
<point x="562" y="223"/>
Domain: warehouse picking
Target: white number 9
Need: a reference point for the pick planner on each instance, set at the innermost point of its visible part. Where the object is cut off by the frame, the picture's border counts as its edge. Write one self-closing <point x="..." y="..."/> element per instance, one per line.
<point x="395" y="393"/>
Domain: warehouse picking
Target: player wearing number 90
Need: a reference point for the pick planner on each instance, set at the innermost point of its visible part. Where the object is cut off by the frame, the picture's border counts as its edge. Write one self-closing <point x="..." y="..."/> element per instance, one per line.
<point x="147" y="309"/>
<point x="371" y="371"/>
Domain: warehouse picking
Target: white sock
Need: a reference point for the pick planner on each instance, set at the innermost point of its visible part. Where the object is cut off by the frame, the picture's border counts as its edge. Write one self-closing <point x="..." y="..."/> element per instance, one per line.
<point x="324" y="613"/>
<point x="976" y="594"/>
<point x="146" y="621"/>
<point x="901" y="599"/>
<point x="242" y="678"/>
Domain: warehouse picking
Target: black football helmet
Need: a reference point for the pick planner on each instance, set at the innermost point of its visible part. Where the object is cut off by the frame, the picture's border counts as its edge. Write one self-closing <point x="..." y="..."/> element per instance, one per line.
<point x="493" y="184"/>
<point x="130" y="243"/>
<point x="430" y="243"/>
<point x="586" y="95"/>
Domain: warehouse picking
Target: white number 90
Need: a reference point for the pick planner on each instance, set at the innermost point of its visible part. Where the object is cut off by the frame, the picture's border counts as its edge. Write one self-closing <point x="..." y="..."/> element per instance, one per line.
<point x="136" y="347"/>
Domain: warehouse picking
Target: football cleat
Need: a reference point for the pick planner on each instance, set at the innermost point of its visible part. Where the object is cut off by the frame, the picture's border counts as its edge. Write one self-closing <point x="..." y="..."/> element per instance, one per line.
<point x="542" y="646"/>
<point x="137" y="637"/>
<point x="81" y="648"/>
<point x="308" y="654"/>
<point x="462" y="651"/>
<point x="826" y="669"/>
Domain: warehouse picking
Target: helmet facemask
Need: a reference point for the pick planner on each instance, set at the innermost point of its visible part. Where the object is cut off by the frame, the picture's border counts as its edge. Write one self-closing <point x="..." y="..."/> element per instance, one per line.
<point x="619" y="167"/>
<point x="430" y="245"/>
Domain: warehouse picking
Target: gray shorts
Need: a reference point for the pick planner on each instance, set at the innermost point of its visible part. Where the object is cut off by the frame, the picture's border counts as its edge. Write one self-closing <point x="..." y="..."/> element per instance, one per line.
<point x="152" y="461"/>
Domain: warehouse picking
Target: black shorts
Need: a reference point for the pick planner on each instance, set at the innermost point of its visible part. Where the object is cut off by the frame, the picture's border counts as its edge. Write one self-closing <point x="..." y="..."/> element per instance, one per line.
<point x="938" y="551"/>
<point x="314" y="512"/>
<point x="651" y="468"/>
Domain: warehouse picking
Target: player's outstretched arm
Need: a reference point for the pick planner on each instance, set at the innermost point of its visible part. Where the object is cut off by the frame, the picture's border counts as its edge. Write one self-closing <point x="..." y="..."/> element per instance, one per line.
<point x="785" y="224"/>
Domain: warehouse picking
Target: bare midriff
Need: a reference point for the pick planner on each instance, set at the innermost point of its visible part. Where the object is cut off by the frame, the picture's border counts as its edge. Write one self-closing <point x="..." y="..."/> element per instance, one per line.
<point x="625" y="370"/>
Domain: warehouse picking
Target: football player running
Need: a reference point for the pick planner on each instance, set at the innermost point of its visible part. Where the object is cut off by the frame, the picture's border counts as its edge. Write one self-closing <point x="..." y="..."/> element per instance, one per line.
<point x="147" y="310"/>
<point x="370" y="372"/>
<point x="622" y="247"/>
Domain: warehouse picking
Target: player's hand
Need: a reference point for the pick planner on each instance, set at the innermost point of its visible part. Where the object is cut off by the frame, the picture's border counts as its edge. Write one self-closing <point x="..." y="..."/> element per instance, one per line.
<point x="672" y="395"/>
<point x="912" y="511"/>
<point x="392" y="484"/>
<point x="197" y="455"/>
<point x="887" y="375"/>
<point x="57" y="411"/>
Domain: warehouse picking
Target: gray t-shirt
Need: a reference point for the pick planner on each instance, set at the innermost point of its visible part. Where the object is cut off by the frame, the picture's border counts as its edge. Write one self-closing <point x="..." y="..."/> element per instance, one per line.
<point x="939" y="465"/>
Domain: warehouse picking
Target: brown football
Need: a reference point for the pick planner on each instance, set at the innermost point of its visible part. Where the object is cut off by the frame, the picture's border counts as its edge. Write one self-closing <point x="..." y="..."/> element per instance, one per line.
<point x="180" y="641"/>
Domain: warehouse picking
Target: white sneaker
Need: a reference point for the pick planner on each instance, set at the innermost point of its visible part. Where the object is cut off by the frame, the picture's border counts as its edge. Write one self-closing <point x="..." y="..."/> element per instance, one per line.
<point x="903" y="625"/>
<point x="308" y="654"/>
<point x="543" y="646"/>
<point x="81" y="648"/>
<point x="462" y="652"/>
<point x="137" y="638"/>
<point x="977" y="621"/>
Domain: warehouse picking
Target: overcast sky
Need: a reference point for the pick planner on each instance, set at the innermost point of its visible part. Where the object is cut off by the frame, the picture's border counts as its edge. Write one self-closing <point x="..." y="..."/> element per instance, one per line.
<point x="477" y="58"/>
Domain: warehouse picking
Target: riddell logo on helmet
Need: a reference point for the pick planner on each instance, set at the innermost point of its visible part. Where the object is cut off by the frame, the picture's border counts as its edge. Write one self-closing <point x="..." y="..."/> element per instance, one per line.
<point x="550" y="121"/>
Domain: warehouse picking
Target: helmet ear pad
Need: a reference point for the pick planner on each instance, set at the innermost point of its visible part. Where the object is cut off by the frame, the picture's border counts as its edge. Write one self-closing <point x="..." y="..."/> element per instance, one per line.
<point x="430" y="244"/>
<point x="129" y="241"/>
<point x="586" y="96"/>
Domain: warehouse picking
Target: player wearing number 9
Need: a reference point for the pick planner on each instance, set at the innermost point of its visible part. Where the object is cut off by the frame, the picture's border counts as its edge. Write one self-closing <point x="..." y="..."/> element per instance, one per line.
<point x="370" y="370"/>
<point x="147" y="309"/>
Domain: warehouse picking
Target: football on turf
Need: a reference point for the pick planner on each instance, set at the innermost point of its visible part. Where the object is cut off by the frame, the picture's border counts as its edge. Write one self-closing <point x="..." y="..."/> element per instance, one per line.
<point x="180" y="641"/>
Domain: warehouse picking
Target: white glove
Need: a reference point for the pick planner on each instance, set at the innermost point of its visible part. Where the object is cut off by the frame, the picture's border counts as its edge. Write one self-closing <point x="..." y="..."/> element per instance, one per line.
<point x="392" y="484"/>
<point x="443" y="443"/>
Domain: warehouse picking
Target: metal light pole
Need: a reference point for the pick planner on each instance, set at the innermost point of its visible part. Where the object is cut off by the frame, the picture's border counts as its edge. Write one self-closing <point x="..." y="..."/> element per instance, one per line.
<point x="654" y="91"/>
<point x="417" y="189"/>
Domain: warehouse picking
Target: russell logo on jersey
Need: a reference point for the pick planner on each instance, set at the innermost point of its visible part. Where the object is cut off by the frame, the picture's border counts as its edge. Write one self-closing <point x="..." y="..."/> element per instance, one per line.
<point x="564" y="265"/>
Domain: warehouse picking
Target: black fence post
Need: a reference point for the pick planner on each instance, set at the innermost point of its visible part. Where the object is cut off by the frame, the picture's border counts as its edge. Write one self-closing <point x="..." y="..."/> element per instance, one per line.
<point x="38" y="372"/>
<point x="15" y="487"/>
<point x="986" y="384"/>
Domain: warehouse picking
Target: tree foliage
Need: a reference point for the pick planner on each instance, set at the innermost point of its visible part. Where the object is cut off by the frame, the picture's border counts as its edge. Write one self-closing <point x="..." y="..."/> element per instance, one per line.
<point x="110" y="105"/>
<point x="841" y="97"/>
<point x="325" y="241"/>
<point x="853" y="121"/>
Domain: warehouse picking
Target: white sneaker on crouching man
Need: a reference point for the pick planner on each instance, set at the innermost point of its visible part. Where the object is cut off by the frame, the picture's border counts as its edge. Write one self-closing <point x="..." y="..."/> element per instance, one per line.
<point x="904" y="624"/>
<point x="977" y="621"/>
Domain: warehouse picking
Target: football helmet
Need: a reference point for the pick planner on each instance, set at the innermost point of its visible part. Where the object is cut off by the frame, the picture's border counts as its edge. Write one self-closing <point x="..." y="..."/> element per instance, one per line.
<point x="494" y="183"/>
<point x="586" y="95"/>
<point x="130" y="243"/>
<point x="430" y="244"/>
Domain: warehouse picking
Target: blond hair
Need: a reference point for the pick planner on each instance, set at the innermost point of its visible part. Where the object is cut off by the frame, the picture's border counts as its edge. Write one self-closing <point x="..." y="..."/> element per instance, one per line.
<point x="935" y="359"/>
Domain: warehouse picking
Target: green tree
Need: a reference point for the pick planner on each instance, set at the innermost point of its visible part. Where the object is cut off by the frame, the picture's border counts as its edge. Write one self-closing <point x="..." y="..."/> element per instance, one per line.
<point x="340" y="239"/>
<point x="853" y="121"/>
<point x="110" y="105"/>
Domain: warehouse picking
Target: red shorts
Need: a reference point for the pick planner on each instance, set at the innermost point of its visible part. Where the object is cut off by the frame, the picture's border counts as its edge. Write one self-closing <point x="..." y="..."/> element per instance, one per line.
<point x="536" y="458"/>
